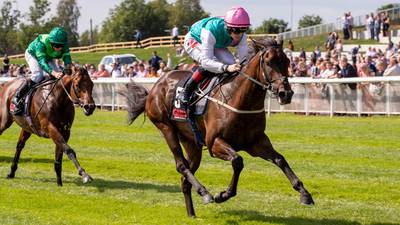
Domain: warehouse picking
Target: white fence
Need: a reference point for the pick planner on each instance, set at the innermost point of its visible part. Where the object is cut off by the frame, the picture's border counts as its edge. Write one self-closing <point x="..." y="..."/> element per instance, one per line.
<point x="372" y="95"/>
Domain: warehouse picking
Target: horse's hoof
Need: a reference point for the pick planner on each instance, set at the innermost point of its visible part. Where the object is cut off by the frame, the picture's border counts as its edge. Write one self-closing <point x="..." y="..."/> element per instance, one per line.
<point x="208" y="198"/>
<point x="306" y="199"/>
<point x="87" y="179"/>
<point x="10" y="176"/>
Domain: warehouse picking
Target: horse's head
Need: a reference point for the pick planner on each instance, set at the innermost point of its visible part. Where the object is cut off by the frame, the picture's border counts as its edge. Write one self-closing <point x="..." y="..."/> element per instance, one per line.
<point x="81" y="90"/>
<point x="273" y="68"/>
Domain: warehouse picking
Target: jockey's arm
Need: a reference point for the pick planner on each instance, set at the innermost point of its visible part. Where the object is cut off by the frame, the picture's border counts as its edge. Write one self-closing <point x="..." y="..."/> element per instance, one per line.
<point x="41" y="57"/>
<point x="66" y="57"/>
<point x="242" y="49"/>
<point x="208" y="60"/>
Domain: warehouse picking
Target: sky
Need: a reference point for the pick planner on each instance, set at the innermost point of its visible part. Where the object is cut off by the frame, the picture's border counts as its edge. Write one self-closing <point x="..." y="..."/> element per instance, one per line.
<point x="259" y="10"/>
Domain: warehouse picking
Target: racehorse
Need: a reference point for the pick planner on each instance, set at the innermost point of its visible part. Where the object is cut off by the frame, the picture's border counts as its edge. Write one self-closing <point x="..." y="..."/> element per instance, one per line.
<point x="51" y="115"/>
<point x="236" y="121"/>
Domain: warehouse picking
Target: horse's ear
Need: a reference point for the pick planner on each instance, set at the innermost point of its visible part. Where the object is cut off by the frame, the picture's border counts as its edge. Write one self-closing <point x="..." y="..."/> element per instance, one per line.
<point x="257" y="47"/>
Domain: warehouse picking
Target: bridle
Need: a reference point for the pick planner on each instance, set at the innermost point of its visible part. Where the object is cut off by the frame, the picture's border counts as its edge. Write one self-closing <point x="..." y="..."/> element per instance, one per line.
<point x="266" y="70"/>
<point x="75" y="100"/>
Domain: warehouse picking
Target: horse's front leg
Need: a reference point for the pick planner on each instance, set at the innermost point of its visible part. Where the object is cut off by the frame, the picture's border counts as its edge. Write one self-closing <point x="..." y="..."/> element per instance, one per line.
<point x="265" y="150"/>
<point x="61" y="144"/>
<point x="23" y="137"/>
<point x="224" y="151"/>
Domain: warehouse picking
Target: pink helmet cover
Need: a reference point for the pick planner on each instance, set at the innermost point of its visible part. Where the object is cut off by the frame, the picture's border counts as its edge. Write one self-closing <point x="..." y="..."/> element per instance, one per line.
<point x="237" y="17"/>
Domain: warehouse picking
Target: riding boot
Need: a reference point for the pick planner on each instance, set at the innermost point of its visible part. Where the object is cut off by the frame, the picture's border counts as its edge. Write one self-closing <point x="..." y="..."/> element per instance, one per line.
<point x="21" y="92"/>
<point x="190" y="86"/>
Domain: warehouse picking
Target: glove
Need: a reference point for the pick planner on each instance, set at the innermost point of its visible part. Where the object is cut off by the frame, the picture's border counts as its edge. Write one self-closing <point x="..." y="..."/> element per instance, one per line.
<point x="233" y="68"/>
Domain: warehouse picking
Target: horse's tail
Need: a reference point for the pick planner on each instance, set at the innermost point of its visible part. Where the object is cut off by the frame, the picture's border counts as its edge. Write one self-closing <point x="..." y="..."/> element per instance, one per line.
<point x="136" y="96"/>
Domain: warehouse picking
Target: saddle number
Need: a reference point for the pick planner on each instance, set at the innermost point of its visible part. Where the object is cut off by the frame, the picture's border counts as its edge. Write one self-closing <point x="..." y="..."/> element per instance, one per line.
<point x="177" y="102"/>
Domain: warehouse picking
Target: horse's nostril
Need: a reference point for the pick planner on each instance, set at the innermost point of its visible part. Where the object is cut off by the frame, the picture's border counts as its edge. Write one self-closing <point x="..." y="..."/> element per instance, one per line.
<point x="282" y="94"/>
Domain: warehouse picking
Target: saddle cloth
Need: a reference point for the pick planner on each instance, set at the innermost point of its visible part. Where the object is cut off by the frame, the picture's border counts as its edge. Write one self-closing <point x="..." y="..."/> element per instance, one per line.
<point x="200" y="107"/>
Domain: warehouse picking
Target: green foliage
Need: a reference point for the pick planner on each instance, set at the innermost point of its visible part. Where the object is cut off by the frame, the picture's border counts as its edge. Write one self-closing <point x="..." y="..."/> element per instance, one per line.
<point x="37" y="12"/>
<point x="9" y="18"/>
<point x="351" y="170"/>
<point x="309" y="20"/>
<point x="186" y="12"/>
<point x="271" y="26"/>
<point x="67" y="17"/>
<point x="388" y="6"/>
<point x="84" y="39"/>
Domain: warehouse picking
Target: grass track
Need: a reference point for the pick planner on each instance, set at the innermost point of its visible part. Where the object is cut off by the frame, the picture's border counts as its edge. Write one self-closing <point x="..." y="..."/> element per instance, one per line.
<point x="350" y="165"/>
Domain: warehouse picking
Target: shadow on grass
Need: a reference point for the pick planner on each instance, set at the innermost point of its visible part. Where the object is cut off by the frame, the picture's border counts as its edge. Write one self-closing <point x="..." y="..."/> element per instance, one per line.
<point x="102" y="185"/>
<point x="9" y="159"/>
<point x="251" y="215"/>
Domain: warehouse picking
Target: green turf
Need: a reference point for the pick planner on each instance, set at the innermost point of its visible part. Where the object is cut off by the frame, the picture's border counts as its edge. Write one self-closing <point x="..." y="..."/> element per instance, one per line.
<point x="351" y="166"/>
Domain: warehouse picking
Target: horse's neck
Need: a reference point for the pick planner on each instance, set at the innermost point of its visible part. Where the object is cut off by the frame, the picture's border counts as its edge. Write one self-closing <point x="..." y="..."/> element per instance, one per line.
<point x="59" y="92"/>
<point x="245" y="94"/>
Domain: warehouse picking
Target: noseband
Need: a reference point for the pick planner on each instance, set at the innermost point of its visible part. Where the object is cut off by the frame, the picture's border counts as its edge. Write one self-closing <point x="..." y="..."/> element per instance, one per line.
<point x="76" y="100"/>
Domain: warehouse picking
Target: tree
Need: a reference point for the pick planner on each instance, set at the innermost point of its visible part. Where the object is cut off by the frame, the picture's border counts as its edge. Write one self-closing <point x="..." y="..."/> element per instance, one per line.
<point x="38" y="23"/>
<point x="67" y="17"/>
<point x="9" y="18"/>
<point x="388" y="6"/>
<point x="271" y="26"/>
<point x="309" y="20"/>
<point x="160" y="13"/>
<point x="186" y="12"/>
<point x="84" y="39"/>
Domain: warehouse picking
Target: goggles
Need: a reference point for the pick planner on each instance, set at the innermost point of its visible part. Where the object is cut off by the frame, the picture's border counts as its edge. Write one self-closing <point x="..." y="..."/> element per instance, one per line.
<point x="57" y="45"/>
<point x="237" y="30"/>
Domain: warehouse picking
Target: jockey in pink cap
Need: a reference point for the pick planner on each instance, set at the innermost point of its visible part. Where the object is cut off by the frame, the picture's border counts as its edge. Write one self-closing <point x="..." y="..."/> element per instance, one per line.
<point x="207" y="43"/>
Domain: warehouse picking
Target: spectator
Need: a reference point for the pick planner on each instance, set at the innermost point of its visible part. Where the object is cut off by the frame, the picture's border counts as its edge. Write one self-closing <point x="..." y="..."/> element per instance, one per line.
<point x="138" y="38"/>
<point x="163" y="69"/>
<point x="169" y="61"/>
<point x="102" y="72"/>
<point x="115" y="71"/>
<point x="6" y="64"/>
<point x="380" y="68"/>
<point x="370" y="26"/>
<point x="393" y="68"/>
<point x="290" y="45"/>
<point x="354" y="53"/>
<point x="302" y="54"/>
<point x="152" y="73"/>
<point x="385" y="24"/>
<point x="331" y="41"/>
<point x="91" y="70"/>
<point x="155" y="61"/>
<point x="175" y="35"/>
<point x="130" y="72"/>
<point x="142" y="72"/>
<point x="346" y="24"/>
<point x="346" y="69"/>
<point x="351" y="24"/>
<point x="329" y="72"/>
<point x="301" y="70"/>
<point x="377" y="26"/>
<point x="339" y="47"/>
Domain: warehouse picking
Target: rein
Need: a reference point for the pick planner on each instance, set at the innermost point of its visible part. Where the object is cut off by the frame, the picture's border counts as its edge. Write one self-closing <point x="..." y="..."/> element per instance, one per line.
<point x="266" y="87"/>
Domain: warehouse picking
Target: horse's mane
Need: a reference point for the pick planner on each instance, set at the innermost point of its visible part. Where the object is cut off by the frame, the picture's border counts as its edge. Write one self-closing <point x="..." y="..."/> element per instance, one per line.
<point x="256" y="44"/>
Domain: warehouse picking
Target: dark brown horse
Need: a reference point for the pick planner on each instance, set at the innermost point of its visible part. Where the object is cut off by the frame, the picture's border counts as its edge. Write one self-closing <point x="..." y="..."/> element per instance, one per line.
<point x="235" y="120"/>
<point x="52" y="118"/>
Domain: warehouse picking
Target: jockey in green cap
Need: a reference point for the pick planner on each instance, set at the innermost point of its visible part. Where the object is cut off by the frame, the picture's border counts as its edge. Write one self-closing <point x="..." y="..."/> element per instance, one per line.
<point x="40" y="57"/>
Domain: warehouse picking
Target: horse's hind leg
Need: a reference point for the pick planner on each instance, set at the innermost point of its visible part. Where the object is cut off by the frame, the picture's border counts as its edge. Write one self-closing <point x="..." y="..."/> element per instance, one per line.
<point x="265" y="150"/>
<point x="224" y="151"/>
<point x="61" y="143"/>
<point x="182" y="165"/>
<point x="193" y="152"/>
<point x="23" y="137"/>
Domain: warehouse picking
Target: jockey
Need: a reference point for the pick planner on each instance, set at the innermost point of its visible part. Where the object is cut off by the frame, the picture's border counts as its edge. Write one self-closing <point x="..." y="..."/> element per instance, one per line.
<point x="40" y="57"/>
<point x="207" y="43"/>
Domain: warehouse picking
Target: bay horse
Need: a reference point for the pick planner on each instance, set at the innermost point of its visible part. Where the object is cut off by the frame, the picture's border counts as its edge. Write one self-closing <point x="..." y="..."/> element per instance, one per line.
<point x="236" y="121"/>
<point x="52" y="113"/>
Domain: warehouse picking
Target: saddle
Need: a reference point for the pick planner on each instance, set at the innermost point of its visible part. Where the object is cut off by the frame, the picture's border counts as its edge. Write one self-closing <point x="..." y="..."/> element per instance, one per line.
<point x="199" y="107"/>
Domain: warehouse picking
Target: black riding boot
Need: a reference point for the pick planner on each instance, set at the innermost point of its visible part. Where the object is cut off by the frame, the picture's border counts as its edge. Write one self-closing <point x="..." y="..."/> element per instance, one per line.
<point x="190" y="86"/>
<point x="18" y="104"/>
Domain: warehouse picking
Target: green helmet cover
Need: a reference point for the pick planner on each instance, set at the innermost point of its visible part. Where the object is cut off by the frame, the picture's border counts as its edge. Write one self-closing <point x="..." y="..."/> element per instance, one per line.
<point x="58" y="36"/>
